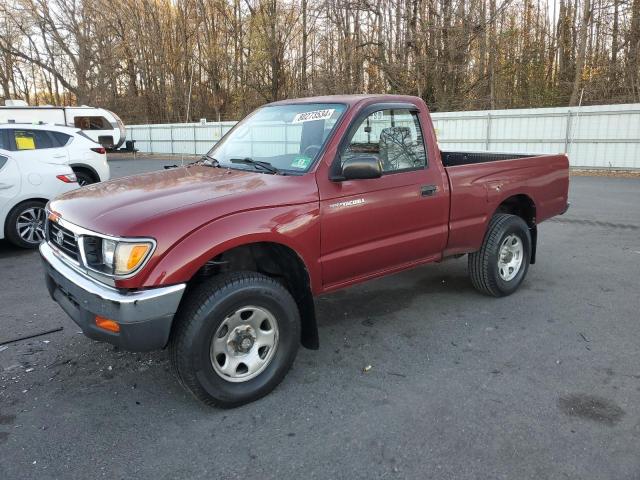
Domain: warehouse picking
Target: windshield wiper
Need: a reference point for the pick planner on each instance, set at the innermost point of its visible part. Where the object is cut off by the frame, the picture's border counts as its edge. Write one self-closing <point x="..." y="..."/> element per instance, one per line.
<point x="257" y="163"/>
<point x="206" y="160"/>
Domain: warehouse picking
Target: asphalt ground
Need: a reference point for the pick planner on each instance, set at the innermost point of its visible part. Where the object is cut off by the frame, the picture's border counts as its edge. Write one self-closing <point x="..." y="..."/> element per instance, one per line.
<point x="543" y="384"/>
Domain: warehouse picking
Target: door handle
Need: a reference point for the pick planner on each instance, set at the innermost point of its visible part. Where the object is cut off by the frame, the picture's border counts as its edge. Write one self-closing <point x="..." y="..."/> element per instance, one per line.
<point x="428" y="190"/>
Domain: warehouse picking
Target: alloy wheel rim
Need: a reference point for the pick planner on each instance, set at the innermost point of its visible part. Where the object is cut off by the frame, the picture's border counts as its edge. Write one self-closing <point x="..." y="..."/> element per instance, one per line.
<point x="30" y="225"/>
<point x="510" y="257"/>
<point x="244" y="344"/>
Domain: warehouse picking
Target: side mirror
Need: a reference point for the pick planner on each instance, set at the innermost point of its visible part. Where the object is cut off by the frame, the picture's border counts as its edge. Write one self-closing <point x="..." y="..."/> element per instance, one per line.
<point x="360" y="167"/>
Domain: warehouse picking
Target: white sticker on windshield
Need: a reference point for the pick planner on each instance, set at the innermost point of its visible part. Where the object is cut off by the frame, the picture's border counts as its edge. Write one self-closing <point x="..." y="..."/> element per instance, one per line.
<point x="313" y="115"/>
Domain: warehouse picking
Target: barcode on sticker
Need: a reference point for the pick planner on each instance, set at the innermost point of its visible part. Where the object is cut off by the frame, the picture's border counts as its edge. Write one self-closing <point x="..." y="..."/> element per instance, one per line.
<point x="313" y="115"/>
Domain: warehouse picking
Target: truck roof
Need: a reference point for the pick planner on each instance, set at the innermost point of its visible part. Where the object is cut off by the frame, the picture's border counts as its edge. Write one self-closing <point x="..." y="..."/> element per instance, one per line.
<point x="349" y="99"/>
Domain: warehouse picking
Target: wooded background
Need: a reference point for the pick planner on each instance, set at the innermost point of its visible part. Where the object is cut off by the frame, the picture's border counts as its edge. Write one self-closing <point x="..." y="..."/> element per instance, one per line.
<point x="144" y="59"/>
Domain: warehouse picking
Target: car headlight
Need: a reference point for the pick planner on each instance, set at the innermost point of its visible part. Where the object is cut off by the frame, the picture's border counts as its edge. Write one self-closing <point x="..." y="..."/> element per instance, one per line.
<point x="115" y="257"/>
<point x="108" y="251"/>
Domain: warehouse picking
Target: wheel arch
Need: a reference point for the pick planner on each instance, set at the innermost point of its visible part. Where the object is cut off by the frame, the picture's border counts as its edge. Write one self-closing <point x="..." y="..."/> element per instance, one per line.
<point x="523" y="206"/>
<point x="83" y="167"/>
<point x="275" y="260"/>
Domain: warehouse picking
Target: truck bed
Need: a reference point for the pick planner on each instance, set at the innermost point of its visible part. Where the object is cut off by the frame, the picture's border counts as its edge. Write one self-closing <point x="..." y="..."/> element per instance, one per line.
<point x="479" y="182"/>
<point x="454" y="159"/>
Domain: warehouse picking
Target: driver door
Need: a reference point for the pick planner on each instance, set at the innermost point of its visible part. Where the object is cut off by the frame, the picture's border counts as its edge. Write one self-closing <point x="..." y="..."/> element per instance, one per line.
<point x="369" y="226"/>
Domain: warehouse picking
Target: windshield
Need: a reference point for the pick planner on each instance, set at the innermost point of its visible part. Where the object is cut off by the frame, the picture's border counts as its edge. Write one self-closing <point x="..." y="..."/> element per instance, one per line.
<point x="288" y="137"/>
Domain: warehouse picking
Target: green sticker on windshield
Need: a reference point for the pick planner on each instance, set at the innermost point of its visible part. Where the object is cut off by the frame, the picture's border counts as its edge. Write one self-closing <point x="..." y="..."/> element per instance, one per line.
<point x="301" y="162"/>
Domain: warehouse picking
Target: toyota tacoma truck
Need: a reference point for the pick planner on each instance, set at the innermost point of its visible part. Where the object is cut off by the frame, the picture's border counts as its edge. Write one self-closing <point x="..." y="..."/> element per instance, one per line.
<point x="219" y="260"/>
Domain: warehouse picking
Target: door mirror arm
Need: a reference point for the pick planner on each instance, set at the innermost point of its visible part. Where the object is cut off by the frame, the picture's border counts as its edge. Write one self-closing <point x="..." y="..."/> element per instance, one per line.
<point x="335" y="174"/>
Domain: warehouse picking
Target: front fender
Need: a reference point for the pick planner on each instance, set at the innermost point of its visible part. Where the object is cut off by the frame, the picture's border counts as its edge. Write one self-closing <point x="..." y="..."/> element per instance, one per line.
<point x="296" y="227"/>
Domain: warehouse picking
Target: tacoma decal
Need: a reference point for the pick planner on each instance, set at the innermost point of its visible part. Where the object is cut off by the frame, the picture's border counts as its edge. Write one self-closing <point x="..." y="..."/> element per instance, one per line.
<point x="348" y="203"/>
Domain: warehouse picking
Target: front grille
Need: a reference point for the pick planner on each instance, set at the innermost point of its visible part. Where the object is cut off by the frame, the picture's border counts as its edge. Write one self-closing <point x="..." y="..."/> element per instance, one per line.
<point x="63" y="239"/>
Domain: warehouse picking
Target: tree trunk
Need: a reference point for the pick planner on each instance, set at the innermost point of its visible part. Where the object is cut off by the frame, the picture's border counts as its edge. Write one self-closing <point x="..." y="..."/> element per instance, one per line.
<point x="305" y="34"/>
<point x="634" y="46"/>
<point x="613" y="65"/>
<point x="492" y="54"/>
<point x="580" y="57"/>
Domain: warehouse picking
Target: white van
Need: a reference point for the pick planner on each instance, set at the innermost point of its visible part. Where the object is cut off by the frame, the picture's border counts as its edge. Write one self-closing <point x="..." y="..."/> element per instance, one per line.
<point x="99" y="124"/>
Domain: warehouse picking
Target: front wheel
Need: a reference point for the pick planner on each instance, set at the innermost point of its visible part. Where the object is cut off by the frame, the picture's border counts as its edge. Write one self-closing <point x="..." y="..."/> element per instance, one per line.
<point x="235" y="338"/>
<point x="501" y="264"/>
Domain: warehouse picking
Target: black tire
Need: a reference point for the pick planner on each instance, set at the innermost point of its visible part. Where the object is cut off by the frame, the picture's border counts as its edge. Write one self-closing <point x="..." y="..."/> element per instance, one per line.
<point x="204" y="310"/>
<point x="483" y="264"/>
<point x="11" y="230"/>
<point x="84" y="178"/>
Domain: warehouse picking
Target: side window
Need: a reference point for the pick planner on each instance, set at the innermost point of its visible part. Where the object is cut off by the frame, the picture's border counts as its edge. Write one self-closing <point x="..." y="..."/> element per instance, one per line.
<point x="60" y="139"/>
<point x="25" y="140"/>
<point x="4" y="144"/>
<point x="394" y="136"/>
<point x="92" y="123"/>
<point x="3" y="160"/>
<point x="32" y="139"/>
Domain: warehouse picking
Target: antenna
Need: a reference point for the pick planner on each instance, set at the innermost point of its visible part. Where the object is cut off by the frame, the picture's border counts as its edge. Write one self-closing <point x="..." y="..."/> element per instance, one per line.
<point x="575" y="128"/>
<point x="189" y="106"/>
<point x="189" y="97"/>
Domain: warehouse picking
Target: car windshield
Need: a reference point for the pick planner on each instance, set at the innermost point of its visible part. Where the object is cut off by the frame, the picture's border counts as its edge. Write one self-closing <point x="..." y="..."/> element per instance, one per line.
<point x="287" y="137"/>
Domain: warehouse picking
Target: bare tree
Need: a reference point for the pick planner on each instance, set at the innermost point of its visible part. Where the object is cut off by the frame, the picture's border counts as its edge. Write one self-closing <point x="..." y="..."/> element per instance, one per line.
<point x="146" y="58"/>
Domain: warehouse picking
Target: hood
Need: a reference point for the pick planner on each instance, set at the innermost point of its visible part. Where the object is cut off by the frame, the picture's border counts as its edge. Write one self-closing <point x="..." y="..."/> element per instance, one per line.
<point x="181" y="198"/>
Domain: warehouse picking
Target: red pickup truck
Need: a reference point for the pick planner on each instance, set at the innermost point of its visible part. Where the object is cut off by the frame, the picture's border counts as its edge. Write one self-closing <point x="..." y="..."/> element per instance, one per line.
<point x="220" y="259"/>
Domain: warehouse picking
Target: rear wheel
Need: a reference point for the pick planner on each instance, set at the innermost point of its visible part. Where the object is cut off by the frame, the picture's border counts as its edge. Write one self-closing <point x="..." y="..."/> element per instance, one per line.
<point x="235" y="338"/>
<point x="24" y="226"/>
<point x="84" y="178"/>
<point x="501" y="264"/>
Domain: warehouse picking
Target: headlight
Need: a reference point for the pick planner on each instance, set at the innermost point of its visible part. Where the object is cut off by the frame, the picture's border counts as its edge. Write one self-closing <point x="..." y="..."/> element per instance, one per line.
<point x="108" y="252"/>
<point x="113" y="257"/>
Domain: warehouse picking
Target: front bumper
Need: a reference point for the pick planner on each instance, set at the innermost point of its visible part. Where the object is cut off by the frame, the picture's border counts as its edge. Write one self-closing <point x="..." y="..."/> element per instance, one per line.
<point x="144" y="316"/>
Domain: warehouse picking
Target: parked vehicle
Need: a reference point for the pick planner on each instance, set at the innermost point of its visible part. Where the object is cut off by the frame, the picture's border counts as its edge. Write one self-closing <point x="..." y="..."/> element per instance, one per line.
<point x="25" y="188"/>
<point x="57" y="144"/>
<point x="100" y="125"/>
<point x="220" y="259"/>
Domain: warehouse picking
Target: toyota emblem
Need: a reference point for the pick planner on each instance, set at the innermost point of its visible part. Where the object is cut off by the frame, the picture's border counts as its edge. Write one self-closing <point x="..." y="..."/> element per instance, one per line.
<point x="60" y="237"/>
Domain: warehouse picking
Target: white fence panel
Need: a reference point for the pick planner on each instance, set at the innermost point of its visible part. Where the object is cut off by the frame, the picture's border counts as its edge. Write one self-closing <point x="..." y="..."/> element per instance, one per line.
<point x="178" y="138"/>
<point x="595" y="136"/>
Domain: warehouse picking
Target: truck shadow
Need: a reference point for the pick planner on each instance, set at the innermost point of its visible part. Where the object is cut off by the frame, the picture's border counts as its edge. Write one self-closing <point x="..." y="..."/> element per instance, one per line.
<point x="376" y="299"/>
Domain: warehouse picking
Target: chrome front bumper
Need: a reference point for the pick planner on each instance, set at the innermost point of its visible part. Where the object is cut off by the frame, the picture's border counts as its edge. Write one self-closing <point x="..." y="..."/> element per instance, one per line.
<point x="144" y="316"/>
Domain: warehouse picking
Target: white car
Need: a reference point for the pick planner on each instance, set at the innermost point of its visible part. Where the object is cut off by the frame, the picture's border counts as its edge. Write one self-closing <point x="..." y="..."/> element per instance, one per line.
<point x="58" y="144"/>
<point x="25" y="188"/>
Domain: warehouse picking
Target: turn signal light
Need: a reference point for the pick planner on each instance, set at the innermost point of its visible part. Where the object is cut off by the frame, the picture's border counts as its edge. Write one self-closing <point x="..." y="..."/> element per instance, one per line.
<point x="129" y="256"/>
<point x="107" y="324"/>
<point x="137" y="254"/>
